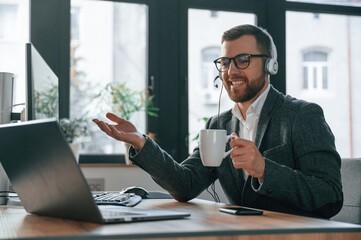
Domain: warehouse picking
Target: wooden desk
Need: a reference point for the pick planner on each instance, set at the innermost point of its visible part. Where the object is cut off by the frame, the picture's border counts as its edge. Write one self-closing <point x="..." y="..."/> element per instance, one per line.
<point x="206" y="222"/>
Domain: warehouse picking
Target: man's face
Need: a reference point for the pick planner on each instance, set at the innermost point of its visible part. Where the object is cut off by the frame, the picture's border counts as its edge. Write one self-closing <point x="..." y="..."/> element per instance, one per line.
<point x="244" y="85"/>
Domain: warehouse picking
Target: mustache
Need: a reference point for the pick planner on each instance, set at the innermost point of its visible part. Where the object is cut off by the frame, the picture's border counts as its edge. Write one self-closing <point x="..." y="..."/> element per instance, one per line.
<point x="237" y="79"/>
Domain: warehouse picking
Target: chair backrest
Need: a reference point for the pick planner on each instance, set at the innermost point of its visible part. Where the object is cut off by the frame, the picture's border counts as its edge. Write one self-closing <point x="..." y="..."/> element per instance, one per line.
<point x="351" y="185"/>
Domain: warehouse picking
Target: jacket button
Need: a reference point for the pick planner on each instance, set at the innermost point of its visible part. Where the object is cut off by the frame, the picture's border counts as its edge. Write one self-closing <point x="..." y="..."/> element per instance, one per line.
<point x="269" y="191"/>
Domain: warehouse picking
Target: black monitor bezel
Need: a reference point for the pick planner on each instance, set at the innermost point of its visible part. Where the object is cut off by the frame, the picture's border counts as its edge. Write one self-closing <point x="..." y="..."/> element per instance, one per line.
<point x="30" y="113"/>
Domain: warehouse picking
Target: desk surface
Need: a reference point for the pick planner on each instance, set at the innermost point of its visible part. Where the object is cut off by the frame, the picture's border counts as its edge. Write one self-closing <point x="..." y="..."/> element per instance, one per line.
<point x="206" y="222"/>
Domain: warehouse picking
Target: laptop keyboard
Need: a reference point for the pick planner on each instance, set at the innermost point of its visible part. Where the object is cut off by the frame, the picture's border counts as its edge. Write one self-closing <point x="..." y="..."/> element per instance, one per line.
<point x="116" y="198"/>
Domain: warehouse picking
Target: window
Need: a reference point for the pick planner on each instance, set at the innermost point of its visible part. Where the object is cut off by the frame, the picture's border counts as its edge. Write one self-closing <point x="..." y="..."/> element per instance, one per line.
<point x="13" y="34"/>
<point x="203" y="96"/>
<point x="329" y="78"/>
<point x="209" y="92"/>
<point x="74" y="28"/>
<point x="177" y="38"/>
<point x="315" y="71"/>
<point x="109" y="44"/>
<point x="8" y="14"/>
<point x="332" y="2"/>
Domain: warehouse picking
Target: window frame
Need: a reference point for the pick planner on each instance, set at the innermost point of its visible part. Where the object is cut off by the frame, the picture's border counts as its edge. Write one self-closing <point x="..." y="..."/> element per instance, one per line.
<point x="167" y="42"/>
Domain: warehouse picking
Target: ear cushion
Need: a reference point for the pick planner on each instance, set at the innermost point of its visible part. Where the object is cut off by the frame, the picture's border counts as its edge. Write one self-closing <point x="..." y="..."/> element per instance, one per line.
<point x="271" y="66"/>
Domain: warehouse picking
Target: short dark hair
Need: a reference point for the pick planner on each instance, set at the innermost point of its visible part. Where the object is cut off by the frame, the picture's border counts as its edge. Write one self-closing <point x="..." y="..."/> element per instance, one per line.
<point x="263" y="38"/>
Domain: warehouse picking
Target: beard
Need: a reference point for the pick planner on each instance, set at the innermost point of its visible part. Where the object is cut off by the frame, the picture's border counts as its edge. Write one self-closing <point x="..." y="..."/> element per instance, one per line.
<point x="250" y="91"/>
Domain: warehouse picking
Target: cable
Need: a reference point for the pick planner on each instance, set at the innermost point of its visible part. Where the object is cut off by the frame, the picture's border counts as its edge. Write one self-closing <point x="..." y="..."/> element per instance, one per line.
<point x="213" y="192"/>
<point x="18" y="104"/>
<point x="219" y="106"/>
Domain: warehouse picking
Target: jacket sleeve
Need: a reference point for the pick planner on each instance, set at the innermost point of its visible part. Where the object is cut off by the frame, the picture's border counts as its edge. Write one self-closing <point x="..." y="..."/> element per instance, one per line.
<point x="184" y="181"/>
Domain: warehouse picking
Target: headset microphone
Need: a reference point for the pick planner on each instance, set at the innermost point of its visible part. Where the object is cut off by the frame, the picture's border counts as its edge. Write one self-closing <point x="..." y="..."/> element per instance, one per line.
<point x="219" y="99"/>
<point x="214" y="81"/>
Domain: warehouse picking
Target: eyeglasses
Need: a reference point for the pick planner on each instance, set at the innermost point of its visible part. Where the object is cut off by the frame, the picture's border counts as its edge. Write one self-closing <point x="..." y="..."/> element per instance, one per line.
<point x="241" y="61"/>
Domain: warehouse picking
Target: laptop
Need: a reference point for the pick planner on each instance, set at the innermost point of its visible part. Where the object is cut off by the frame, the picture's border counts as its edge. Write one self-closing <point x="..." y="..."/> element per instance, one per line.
<point x="49" y="182"/>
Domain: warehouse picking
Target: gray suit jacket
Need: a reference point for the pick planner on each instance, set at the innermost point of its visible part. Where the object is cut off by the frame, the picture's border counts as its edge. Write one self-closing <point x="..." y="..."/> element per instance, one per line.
<point x="302" y="173"/>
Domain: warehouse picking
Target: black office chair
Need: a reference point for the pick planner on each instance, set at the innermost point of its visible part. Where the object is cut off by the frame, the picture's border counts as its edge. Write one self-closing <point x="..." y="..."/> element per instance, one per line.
<point x="351" y="184"/>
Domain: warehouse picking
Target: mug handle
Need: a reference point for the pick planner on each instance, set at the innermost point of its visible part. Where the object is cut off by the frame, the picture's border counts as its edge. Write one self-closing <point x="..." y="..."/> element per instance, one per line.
<point x="228" y="152"/>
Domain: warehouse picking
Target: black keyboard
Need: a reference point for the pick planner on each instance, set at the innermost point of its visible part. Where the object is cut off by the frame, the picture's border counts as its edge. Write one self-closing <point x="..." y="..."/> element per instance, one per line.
<point x="116" y="198"/>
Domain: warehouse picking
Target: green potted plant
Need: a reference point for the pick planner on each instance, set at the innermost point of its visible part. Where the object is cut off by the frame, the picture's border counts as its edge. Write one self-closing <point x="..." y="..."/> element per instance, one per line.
<point x="46" y="101"/>
<point x="193" y="138"/>
<point x="75" y="130"/>
<point x="125" y="102"/>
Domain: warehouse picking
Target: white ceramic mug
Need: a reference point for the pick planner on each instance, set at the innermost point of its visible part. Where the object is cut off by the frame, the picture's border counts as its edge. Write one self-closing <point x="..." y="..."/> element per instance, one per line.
<point x="212" y="146"/>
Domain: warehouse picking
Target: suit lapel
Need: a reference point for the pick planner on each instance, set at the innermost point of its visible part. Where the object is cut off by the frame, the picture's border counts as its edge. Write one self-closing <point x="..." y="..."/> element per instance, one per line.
<point x="265" y="115"/>
<point x="261" y="128"/>
<point x="232" y="126"/>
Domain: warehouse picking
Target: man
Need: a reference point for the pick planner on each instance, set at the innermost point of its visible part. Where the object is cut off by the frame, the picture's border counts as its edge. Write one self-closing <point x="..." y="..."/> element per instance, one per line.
<point x="284" y="158"/>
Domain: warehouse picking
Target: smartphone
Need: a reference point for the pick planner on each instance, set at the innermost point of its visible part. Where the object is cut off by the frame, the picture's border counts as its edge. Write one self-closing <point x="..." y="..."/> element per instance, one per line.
<point x="241" y="211"/>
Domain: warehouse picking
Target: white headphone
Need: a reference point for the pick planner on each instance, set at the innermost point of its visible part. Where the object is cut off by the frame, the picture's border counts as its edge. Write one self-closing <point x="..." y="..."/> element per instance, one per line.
<point x="271" y="64"/>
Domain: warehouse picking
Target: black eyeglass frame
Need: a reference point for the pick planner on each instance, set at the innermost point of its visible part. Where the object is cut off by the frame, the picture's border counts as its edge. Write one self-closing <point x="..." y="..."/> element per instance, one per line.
<point x="248" y="56"/>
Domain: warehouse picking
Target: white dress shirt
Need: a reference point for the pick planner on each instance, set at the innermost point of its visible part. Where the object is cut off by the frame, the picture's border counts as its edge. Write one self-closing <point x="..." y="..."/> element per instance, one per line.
<point x="248" y="126"/>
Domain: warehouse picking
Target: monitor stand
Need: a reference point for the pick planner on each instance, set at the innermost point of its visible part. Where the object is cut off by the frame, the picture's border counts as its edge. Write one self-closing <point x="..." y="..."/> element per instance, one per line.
<point x="4" y="186"/>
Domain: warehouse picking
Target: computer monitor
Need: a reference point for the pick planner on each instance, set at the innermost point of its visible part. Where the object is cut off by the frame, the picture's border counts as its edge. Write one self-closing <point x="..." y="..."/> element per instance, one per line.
<point x="42" y="87"/>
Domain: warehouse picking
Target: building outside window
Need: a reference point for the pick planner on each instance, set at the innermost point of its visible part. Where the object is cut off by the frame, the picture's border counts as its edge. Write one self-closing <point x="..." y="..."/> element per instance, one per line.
<point x="315" y="71"/>
<point x="327" y="75"/>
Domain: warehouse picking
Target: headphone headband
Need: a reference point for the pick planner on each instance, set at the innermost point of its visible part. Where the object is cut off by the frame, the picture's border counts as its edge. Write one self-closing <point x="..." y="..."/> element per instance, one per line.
<point x="271" y="64"/>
